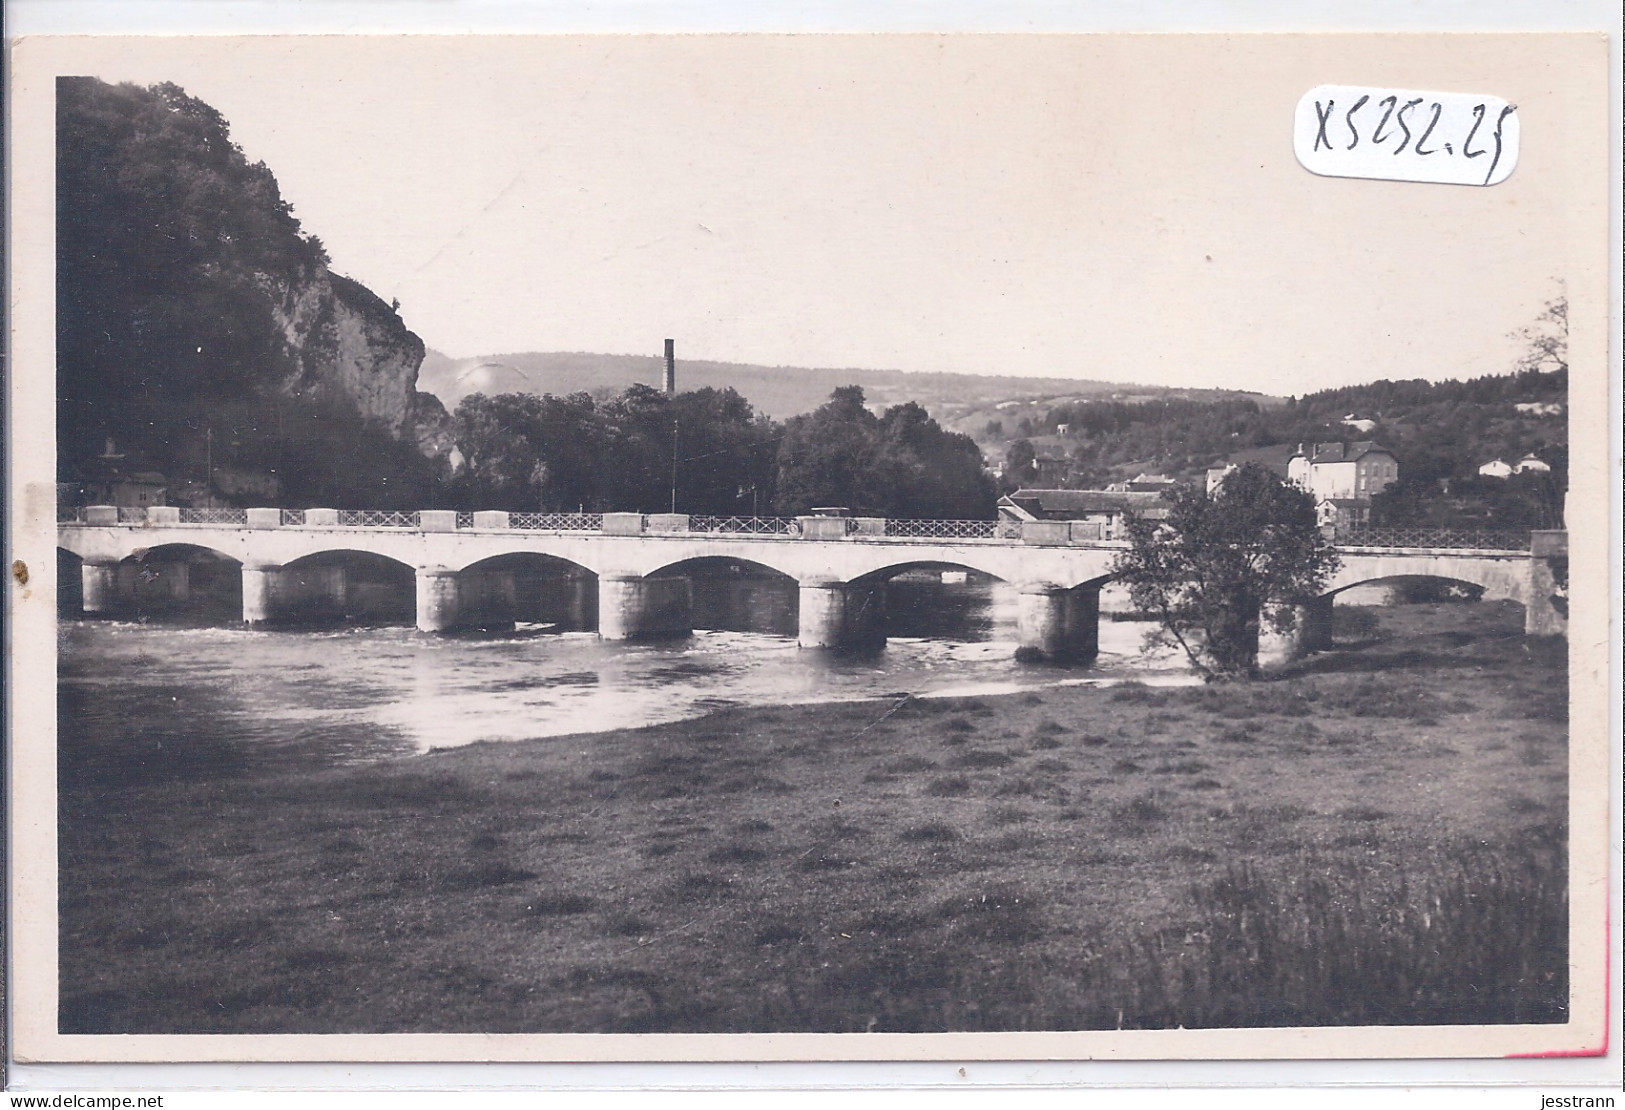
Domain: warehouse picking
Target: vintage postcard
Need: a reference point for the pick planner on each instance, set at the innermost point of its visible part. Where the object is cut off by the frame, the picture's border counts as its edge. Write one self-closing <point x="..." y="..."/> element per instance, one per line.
<point x="810" y="547"/>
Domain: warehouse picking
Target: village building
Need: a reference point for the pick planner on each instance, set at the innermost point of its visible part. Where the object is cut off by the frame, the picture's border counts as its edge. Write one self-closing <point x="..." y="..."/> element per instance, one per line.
<point x="1143" y="483"/>
<point x="1529" y="464"/>
<point x="1495" y="469"/>
<point x="113" y="478"/>
<point x="1104" y="508"/>
<point x="1046" y="469"/>
<point x="1343" y="479"/>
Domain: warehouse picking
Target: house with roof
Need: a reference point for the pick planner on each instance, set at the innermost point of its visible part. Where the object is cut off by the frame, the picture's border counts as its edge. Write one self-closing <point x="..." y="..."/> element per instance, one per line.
<point x="1273" y="458"/>
<point x="113" y="478"/>
<point x="1343" y="478"/>
<point x="1146" y="483"/>
<point x="1495" y="468"/>
<point x="1530" y="464"/>
<point x="1105" y="509"/>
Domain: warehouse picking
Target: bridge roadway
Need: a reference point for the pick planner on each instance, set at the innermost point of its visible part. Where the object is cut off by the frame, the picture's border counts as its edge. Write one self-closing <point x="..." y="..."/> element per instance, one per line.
<point x="840" y="565"/>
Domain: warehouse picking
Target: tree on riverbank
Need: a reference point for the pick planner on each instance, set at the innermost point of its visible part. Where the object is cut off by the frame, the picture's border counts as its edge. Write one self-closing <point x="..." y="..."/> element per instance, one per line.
<point x="1218" y="566"/>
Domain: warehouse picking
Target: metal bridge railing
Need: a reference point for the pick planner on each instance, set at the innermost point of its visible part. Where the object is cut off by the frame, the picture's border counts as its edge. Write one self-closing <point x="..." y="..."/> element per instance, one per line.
<point x="238" y="517"/>
<point x="370" y="518"/>
<point x="954" y="529"/>
<point x="1400" y="538"/>
<point x="1442" y="538"/>
<point x="744" y="525"/>
<point x="556" y="522"/>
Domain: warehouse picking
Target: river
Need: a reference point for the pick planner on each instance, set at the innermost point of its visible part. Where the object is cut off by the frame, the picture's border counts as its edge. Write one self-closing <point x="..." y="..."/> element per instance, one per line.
<point x="355" y="694"/>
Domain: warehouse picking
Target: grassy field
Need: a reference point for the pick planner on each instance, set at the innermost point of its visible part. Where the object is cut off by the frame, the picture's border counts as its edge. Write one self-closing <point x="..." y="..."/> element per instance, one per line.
<point x="1378" y="837"/>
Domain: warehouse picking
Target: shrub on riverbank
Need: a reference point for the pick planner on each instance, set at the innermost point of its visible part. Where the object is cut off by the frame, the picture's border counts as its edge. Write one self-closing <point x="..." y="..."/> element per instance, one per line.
<point x="1476" y="935"/>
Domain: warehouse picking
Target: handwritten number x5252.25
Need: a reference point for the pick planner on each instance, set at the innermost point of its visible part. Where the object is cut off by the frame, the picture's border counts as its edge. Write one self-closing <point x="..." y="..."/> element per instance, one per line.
<point x="1395" y="113"/>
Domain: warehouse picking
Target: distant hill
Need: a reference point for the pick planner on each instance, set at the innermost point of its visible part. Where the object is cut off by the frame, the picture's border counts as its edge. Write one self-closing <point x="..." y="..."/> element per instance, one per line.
<point x="961" y="402"/>
<point x="1439" y="431"/>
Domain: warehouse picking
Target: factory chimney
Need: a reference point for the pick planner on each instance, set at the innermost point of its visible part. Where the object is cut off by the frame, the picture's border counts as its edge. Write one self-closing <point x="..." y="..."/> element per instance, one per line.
<point x="671" y="369"/>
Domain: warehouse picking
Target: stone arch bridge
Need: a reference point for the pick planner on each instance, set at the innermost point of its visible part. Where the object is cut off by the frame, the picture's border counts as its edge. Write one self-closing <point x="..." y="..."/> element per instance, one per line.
<point x="839" y="564"/>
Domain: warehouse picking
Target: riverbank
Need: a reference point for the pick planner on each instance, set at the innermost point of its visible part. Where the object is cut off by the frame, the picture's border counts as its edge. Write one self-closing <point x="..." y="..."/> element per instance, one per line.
<point x="1286" y="852"/>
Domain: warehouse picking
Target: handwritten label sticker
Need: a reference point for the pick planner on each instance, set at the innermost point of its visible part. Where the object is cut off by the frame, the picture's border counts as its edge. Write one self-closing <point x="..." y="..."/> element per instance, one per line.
<point x="1401" y="135"/>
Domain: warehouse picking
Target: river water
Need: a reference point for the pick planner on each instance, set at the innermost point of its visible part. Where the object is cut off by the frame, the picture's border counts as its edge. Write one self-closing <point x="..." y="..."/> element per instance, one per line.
<point x="354" y="694"/>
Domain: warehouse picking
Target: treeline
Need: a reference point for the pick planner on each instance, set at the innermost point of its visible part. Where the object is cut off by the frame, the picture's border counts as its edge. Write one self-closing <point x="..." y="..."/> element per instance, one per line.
<point x="178" y="265"/>
<point x="1437" y="430"/>
<point x="707" y="452"/>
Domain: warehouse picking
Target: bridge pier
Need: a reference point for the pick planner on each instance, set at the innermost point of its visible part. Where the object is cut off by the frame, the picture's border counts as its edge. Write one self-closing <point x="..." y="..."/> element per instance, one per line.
<point x="437" y="599"/>
<point x="834" y="614"/>
<point x="1546" y="605"/>
<point x="1057" y="625"/>
<point x="631" y="607"/>
<point x="276" y="594"/>
<point x="580" y="609"/>
<point x="1311" y="631"/>
<point x="1317" y="618"/>
<point x="448" y="600"/>
<point x="99" y="582"/>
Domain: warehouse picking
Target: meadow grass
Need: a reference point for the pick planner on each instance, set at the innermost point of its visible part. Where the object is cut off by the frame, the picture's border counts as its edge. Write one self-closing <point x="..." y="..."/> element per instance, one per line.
<point x="1358" y="842"/>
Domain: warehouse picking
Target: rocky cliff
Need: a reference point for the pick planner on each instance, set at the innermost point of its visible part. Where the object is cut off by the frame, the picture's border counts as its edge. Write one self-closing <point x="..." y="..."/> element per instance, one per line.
<point x="202" y="330"/>
<point x="344" y="342"/>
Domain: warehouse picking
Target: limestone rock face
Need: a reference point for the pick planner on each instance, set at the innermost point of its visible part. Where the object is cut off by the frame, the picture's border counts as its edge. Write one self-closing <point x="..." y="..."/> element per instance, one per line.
<point x="345" y="344"/>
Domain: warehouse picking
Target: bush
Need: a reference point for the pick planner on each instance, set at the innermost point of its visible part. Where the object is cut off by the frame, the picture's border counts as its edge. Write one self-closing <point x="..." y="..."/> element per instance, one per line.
<point x="1478" y="936"/>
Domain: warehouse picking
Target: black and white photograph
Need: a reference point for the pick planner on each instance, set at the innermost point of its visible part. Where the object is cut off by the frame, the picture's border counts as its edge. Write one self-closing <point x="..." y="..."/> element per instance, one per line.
<point x="1097" y="541"/>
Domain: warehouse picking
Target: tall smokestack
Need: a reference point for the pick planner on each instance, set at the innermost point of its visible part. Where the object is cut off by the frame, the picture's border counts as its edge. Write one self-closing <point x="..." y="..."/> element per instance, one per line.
<point x="671" y="369"/>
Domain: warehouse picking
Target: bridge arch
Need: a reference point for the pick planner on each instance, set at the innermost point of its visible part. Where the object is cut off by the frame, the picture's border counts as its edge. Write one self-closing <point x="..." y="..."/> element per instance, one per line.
<point x="180" y="551"/>
<point x="895" y="570"/>
<point x="359" y="585"/>
<point x="171" y="580"/>
<point x="1411" y="587"/>
<point x="531" y="587"/>
<point x="729" y="593"/>
<point x="1499" y="577"/>
<point x="348" y="556"/>
<point x="723" y="564"/>
<point x="528" y="560"/>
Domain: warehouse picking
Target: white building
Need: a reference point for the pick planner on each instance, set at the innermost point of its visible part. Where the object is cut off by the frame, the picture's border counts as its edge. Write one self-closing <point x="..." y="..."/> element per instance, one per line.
<point x="1343" y="478"/>
<point x="1334" y="471"/>
<point x="1495" y="469"/>
<point x="1530" y="464"/>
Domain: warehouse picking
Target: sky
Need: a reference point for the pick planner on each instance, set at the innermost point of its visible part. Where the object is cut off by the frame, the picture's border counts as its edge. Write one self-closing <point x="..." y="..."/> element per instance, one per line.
<point x="1124" y="208"/>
